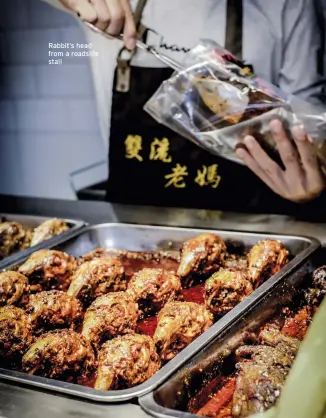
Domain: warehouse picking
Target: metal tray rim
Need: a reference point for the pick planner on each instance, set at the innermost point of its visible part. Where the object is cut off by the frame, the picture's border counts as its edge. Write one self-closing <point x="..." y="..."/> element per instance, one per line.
<point x="77" y="225"/>
<point x="183" y="228"/>
<point x="148" y="402"/>
<point x="167" y="370"/>
<point x="151" y="407"/>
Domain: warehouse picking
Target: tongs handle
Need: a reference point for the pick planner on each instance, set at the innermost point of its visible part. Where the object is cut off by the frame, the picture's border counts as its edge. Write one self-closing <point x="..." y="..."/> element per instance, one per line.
<point x="139" y="44"/>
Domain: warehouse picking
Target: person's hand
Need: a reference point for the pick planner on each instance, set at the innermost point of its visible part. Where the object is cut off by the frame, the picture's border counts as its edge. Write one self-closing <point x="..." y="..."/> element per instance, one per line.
<point x="302" y="180"/>
<point x="113" y="16"/>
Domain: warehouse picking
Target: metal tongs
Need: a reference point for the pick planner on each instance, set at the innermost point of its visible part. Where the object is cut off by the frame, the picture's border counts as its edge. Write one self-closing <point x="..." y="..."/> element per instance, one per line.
<point x="161" y="57"/>
<point x="207" y="88"/>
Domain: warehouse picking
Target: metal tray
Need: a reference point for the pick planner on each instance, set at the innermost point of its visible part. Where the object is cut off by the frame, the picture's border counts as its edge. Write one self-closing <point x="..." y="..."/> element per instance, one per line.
<point x="33" y="222"/>
<point x="171" y="399"/>
<point x="142" y="238"/>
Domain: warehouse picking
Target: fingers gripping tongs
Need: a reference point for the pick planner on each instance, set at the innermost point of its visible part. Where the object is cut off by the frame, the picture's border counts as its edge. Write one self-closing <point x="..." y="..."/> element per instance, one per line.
<point x="139" y="44"/>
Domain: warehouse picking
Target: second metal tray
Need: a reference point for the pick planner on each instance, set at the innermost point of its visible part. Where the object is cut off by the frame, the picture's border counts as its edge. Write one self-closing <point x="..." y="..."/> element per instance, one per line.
<point x="142" y="238"/>
<point x="173" y="397"/>
<point x="32" y="222"/>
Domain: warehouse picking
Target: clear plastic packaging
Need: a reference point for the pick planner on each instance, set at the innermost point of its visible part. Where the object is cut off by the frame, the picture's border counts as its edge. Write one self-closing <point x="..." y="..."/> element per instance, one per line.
<point x="216" y="101"/>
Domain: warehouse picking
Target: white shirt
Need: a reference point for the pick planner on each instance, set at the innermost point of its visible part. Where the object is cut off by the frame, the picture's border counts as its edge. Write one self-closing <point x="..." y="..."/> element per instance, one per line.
<point x="280" y="39"/>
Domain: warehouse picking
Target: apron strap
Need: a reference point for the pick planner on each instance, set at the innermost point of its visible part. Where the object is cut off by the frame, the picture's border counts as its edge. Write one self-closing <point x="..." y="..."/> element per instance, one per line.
<point x="233" y="39"/>
<point x="139" y="12"/>
<point x="123" y="63"/>
<point x="234" y="27"/>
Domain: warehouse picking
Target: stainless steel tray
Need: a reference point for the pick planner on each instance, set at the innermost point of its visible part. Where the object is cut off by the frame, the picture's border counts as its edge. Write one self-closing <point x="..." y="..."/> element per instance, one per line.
<point x="171" y="399"/>
<point x="33" y="222"/>
<point x="142" y="238"/>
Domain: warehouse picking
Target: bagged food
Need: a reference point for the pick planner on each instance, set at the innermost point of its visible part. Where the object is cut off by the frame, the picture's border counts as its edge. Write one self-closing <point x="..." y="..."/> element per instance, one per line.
<point x="216" y="101"/>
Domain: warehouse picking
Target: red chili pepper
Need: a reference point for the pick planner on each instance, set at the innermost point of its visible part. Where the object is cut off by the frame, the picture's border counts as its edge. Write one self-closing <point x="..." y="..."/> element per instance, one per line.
<point x="297" y="326"/>
<point x="219" y="400"/>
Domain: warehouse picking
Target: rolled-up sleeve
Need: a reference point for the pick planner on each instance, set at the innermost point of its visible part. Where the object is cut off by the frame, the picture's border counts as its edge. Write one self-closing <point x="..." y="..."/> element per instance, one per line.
<point x="299" y="74"/>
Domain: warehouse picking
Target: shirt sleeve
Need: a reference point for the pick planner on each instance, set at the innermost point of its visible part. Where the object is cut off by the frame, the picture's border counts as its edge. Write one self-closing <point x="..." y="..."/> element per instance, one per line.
<point x="299" y="74"/>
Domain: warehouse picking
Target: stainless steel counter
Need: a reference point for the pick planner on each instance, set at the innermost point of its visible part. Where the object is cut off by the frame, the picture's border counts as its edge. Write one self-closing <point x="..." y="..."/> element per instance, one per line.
<point x="18" y="402"/>
<point x="97" y="212"/>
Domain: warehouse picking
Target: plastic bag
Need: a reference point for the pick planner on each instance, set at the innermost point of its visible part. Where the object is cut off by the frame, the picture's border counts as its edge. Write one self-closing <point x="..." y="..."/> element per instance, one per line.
<point x="216" y="101"/>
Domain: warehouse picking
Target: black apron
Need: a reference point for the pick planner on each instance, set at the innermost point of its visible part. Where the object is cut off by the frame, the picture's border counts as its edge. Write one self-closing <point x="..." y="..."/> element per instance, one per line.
<point x="150" y="164"/>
